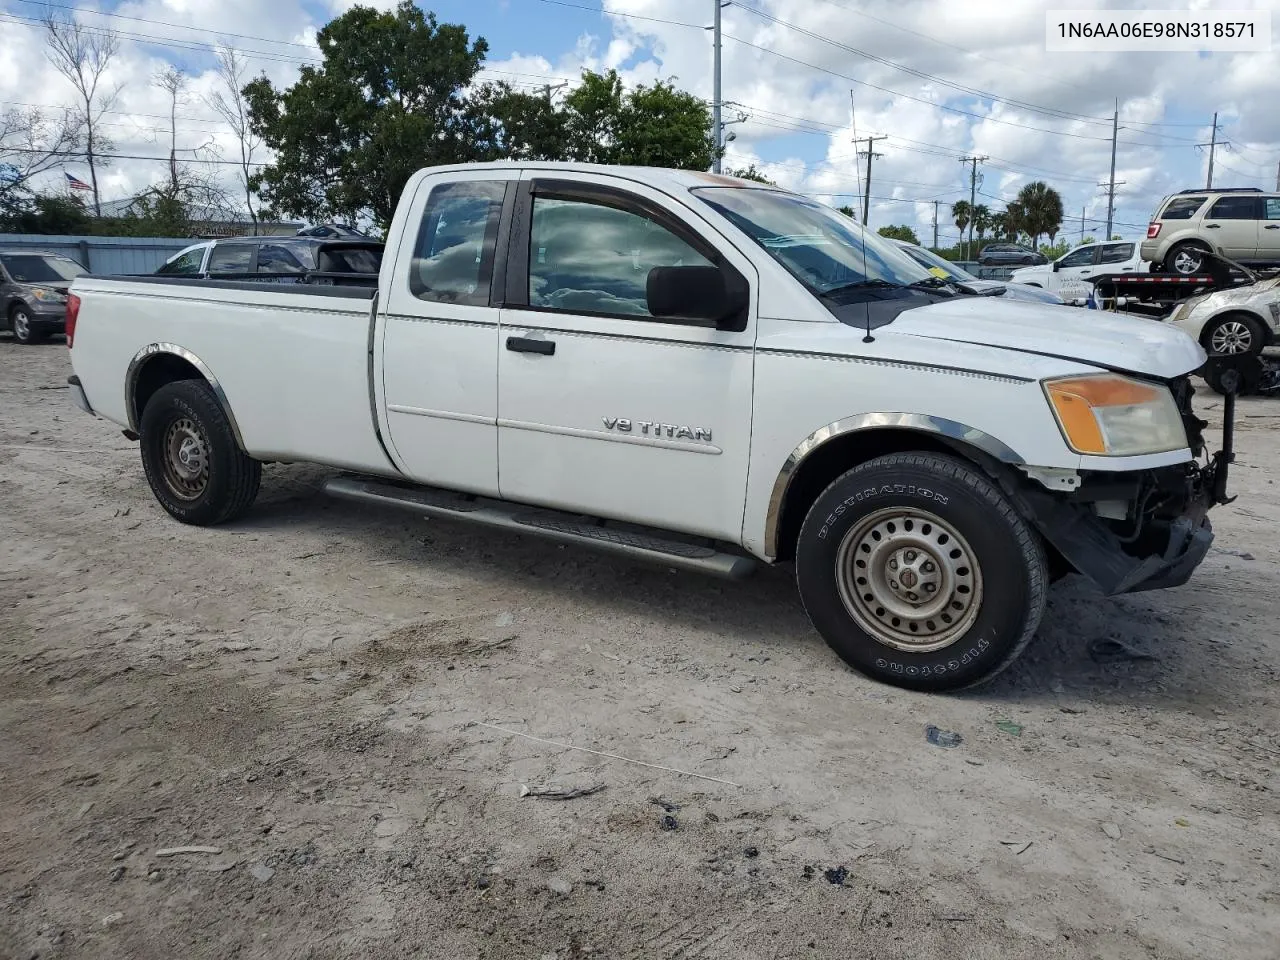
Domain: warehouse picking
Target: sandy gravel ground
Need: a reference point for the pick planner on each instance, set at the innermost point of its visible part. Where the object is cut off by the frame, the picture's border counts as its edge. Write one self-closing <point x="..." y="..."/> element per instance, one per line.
<point x="316" y="692"/>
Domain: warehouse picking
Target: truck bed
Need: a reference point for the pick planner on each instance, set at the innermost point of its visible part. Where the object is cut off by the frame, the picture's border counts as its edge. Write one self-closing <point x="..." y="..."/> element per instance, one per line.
<point x="262" y="343"/>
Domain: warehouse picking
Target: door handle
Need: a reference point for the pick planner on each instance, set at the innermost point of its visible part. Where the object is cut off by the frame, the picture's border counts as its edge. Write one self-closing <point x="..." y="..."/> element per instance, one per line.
<point x="1272" y="226"/>
<point x="1212" y="226"/>
<point x="529" y="345"/>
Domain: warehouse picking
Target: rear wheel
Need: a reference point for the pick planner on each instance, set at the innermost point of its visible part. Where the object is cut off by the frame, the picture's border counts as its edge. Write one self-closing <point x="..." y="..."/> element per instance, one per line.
<point x="918" y="572"/>
<point x="1186" y="259"/>
<point x="189" y="453"/>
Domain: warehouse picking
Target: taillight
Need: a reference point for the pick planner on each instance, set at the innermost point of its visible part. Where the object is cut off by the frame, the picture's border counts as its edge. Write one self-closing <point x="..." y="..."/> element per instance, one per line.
<point x="73" y="311"/>
<point x="1153" y="230"/>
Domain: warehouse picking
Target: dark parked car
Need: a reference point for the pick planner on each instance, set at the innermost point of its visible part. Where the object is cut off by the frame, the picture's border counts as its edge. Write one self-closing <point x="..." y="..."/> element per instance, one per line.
<point x="33" y="292"/>
<point x="278" y="259"/>
<point x="1009" y="255"/>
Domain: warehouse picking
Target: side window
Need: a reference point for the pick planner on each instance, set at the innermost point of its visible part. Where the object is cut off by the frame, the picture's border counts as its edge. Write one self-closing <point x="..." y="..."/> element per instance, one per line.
<point x="231" y="258"/>
<point x="273" y="258"/>
<point x="1234" y="208"/>
<point x="1272" y="211"/>
<point x="453" y="258"/>
<point x="186" y="265"/>
<point x="1117" y="252"/>
<point x="589" y="258"/>
<point x="1182" y="208"/>
<point x="1079" y="258"/>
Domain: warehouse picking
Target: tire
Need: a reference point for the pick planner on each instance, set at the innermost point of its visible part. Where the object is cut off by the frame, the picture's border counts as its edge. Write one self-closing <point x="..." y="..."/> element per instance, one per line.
<point x="189" y="453"/>
<point x="1185" y="259"/>
<point x="1233" y="334"/>
<point x="935" y="506"/>
<point x="25" y="331"/>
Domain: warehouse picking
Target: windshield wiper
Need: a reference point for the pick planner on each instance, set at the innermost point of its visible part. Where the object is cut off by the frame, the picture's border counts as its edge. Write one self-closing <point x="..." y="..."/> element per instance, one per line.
<point x="859" y="285"/>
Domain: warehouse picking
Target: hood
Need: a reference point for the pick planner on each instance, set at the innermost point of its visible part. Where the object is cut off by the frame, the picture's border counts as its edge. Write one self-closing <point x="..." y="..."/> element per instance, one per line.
<point x="1094" y="337"/>
<point x="1255" y="294"/>
<point x="1011" y="290"/>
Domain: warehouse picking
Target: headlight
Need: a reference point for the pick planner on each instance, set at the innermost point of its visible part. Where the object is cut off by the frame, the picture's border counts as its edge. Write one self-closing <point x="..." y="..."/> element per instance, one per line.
<point x="49" y="296"/>
<point x="1186" y="308"/>
<point x="1113" y="416"/>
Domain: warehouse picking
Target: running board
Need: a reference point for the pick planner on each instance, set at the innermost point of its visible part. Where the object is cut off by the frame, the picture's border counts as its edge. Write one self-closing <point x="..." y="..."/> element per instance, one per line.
<point x="551" y="524"/>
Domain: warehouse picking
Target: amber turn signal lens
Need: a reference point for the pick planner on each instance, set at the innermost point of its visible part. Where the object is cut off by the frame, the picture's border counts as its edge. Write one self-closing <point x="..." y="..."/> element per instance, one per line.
<point x="1077" y="402"/>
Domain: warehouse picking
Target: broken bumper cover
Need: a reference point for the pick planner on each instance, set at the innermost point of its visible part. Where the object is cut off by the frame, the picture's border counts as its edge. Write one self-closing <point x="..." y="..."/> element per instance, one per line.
<point x="1172" y="549"/>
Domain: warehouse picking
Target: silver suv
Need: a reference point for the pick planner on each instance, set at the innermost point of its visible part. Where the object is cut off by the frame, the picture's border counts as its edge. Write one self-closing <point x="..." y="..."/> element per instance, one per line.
<point x="1242" y="224"/>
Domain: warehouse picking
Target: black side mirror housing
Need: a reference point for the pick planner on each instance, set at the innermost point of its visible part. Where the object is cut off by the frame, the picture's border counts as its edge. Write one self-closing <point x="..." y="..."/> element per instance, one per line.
<point x="701" y="295"/>
<point x="1056" y="266"/>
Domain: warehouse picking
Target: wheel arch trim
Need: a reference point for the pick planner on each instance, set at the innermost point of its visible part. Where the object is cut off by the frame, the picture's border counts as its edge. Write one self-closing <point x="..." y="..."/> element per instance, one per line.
<point x="956" y="433"/>
<point x="152" y="350"/>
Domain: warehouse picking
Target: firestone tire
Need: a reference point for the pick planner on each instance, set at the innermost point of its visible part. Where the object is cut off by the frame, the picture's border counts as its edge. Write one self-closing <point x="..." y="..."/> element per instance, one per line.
<point x="189" y="453"/>
<point x="926" y="540"/>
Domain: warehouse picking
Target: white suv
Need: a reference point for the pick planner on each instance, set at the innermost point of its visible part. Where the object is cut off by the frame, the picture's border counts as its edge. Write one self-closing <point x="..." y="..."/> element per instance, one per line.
<point x="1242" y="224"/>
<point x="1068" y="275"/>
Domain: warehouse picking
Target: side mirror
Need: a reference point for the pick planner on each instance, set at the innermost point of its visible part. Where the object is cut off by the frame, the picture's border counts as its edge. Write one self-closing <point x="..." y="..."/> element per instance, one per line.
<point x="701" y="295"/>
<point x="1056" y="266"/>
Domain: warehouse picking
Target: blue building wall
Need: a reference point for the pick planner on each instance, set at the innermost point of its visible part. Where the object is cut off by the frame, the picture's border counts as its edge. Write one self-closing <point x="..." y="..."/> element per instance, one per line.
<point x="102" y="255"/>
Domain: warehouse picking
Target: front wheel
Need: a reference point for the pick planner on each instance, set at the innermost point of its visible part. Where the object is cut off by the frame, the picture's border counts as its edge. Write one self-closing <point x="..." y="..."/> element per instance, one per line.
<point x="23" y="330"/>
<point x="1233" y="335"/>
<point x="918" y="572"/>
<point x="190" y="455"/>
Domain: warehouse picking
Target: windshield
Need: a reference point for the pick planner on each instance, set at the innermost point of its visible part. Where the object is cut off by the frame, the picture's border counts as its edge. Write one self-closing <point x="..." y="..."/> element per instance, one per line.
<point x="825" y="250"/>
<point x="936" y="264"/>
<point x="35" y="268"/>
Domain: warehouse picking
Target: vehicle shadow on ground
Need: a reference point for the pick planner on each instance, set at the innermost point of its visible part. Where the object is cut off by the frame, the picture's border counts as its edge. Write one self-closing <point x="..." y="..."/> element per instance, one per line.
<point x="1165" y="647"/>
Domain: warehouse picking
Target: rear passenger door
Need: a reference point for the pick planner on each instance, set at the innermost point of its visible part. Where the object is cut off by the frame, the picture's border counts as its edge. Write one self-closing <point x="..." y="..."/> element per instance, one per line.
<point x="1269" y="235"/>
<point x="1232" y="225"/>
<point x="439" y="333"/>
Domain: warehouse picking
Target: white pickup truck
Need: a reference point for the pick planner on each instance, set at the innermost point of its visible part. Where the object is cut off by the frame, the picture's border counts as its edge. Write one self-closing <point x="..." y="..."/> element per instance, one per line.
<point x="693" y="369"/>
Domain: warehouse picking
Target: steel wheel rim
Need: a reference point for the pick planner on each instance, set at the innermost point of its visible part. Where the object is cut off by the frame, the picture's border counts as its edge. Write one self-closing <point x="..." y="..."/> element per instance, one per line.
<point x="21" y="325"/>
<point x="1232" y="337"/>
<point x="186" y="459"/>
<point x="909" y="579"/>
<point x="1187" y="261"/>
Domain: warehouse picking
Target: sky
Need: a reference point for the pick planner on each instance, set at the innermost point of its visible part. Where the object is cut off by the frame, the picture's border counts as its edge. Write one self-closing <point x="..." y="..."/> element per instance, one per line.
<point x="939" y="79"/>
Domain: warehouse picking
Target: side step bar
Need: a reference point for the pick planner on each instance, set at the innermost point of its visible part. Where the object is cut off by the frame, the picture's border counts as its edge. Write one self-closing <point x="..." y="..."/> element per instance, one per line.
<point x="551" y="524"/>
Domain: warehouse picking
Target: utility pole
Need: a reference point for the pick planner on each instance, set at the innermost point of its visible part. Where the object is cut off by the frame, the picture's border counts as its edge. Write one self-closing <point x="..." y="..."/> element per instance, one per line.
<point x="935" y="223"/>
<point x="973" y="196"/>
<point x="1111" y="189"/>
<point x="1082" y="210"/>
<point x="715" y="88"/>
<point x="548" y="89"/>
<point x="866" y="195"/>
<point x="1212" y="144"/>
<point x="1278" y="178"/>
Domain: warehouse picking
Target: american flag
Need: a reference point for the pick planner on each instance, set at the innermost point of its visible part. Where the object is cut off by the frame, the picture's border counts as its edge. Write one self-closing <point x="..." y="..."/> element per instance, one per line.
<point x="75" y="183"/>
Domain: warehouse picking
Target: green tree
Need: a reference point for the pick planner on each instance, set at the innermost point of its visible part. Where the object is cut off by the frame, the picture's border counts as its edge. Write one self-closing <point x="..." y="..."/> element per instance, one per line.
<point x="600" y="122"/>
<point x="387" y="99"/>
<point x="1041" y="207"/>
<point x="750" y="173"/>
<point x="961" y="213"/>
<point x="48" y="214"/>
<point x="981" y="220"/>
<point x="897" y="232"/>
<point x="848" y="211"/>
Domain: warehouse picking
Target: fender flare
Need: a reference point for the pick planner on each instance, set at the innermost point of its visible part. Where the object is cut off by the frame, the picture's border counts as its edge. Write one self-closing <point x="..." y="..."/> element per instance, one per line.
<point x="957" y="434"/>
<point x="152" y="350"/>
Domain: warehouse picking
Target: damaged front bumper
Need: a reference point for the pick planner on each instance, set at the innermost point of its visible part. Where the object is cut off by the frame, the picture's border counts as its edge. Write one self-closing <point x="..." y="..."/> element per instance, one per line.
<point x="1165" y="533"/>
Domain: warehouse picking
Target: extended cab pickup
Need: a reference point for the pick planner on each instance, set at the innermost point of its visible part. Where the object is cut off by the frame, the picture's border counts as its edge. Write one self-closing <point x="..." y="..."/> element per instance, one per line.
<point x="696" y="370"/>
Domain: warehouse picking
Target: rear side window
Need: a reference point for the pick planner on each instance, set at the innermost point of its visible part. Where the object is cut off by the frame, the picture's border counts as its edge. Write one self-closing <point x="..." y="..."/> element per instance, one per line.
<point x="184" y="265"/>
<point x="231" y="258"/>
<point x="273" y="258"/>
<point x="1181" y="208"/>
<point x="1234" y="208"/>
<point x="1117" y="252"/>
<point x="1271" y="208"/>
<point x="453" y="258"/>
<point x="351" y="260"/>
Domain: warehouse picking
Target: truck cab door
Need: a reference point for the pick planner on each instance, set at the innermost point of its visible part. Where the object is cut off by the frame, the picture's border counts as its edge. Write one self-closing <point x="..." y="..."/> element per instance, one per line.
<point x="1077" y="265"/>
<point x="603" y="408"/>
<point x="436" y="380"/>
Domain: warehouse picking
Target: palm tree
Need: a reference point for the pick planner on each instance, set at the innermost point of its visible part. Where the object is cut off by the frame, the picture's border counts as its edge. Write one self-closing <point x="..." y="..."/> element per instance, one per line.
<point x="981" y="221"/>
<point x="1042" y="207"/>
<point x="962" y="213"/>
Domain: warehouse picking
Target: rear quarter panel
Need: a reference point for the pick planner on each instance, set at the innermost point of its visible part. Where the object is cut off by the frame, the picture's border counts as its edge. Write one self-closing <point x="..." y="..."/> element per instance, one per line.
<point x="293" y="367"/>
